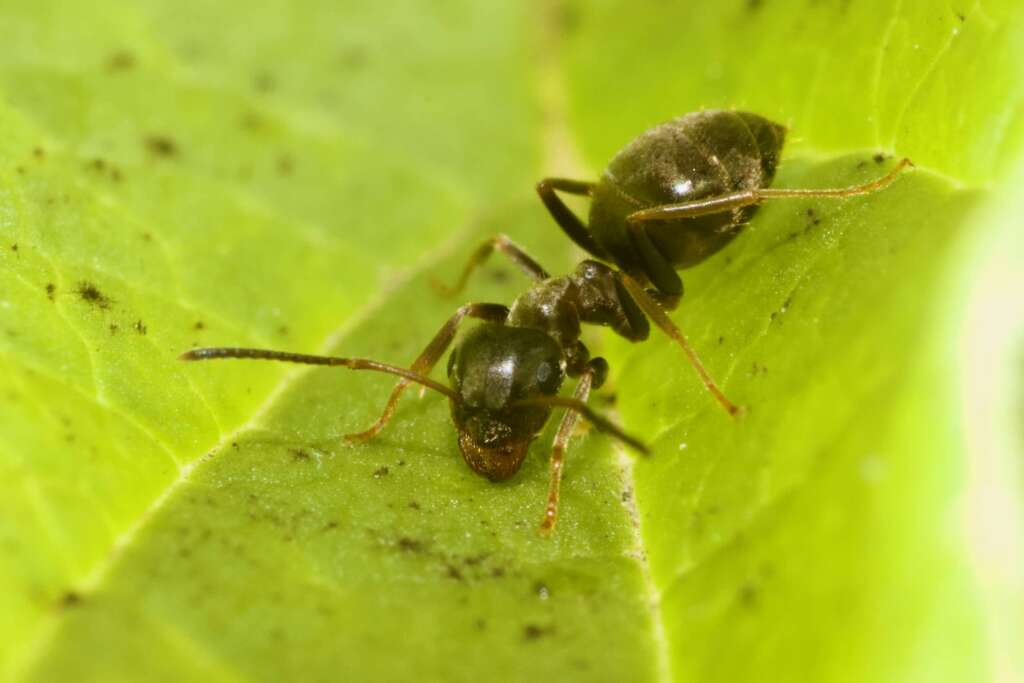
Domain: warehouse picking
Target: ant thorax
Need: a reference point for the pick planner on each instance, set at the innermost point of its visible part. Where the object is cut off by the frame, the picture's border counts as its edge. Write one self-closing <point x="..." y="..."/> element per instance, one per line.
<point x="591" y="294"/>
<point x="550" y="306"/>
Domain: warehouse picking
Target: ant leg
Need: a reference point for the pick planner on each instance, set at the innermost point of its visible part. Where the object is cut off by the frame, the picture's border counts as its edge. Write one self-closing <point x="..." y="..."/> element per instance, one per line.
<point x="502" y="243"/>
<point x="661" y="319"/>
<point x="425" y="362"/>
<point x="738" y="200"/>
<point x="592" y="377"/>
<point x="659" y="271"/>
<point x="566" y="219"/>
<point x="668" y="302"/>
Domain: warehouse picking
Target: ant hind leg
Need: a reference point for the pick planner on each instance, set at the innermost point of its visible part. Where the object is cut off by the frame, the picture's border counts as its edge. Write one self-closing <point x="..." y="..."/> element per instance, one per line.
<point x="738" y="200"/>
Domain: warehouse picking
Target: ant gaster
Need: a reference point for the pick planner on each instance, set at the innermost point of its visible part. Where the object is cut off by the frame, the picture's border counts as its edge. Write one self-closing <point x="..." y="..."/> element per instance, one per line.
<point x="670" y="199"/>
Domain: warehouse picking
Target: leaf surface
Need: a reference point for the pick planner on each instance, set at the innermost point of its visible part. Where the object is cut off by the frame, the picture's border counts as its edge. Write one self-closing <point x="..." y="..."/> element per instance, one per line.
<point x="296" y="176"/>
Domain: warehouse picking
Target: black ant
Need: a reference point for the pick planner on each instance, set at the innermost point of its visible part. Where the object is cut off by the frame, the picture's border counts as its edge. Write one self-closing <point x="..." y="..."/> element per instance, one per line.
<point x="669" y="200"/>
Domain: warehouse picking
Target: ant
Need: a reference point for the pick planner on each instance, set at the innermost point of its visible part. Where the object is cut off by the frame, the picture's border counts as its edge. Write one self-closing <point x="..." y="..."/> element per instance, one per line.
<point x="670" y="199"/>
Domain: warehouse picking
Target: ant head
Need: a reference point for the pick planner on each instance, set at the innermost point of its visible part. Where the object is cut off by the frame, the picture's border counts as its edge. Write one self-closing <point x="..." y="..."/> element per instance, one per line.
<point x="494" y="370"/>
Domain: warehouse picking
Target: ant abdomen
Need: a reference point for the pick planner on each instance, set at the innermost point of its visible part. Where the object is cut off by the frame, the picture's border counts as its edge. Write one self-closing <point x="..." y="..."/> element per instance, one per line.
<point x="705" y="154"/>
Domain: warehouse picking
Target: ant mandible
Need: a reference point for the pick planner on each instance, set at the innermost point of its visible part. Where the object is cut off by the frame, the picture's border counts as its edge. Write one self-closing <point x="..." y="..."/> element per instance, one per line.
<point x="667" y="201"/>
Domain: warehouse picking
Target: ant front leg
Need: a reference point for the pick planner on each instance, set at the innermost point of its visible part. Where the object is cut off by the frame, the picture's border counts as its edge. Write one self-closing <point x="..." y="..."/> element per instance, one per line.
<point x="738" y="200"/>
<point x="502" y="243"/>
<point x="591" y="378"/>
<point x="425" y="362"/>
<point x="563" y="215"/>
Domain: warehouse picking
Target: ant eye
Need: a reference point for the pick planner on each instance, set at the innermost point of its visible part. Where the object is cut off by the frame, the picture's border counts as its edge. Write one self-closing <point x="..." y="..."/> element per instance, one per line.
<point x="544" y="372"/>
<point x="548" y="377"/>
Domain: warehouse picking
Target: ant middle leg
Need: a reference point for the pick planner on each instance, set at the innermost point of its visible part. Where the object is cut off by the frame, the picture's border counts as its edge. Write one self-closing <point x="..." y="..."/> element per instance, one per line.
<point x="425" y="362"/>
<point x="737" y="200"/>
<point x="591" y="378"/>
<point x="501" y="243"/>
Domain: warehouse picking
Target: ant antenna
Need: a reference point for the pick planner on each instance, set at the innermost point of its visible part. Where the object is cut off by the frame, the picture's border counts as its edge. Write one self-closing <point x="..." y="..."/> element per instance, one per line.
<point x="351" y="363"/>
<point x="583" y="409"/>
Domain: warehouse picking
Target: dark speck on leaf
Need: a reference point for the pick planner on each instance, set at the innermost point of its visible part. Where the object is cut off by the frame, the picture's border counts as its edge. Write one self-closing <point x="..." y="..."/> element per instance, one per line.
<point x="161" y="146"/>
<point x="878" y="158"/>
<point x="299" y="454"/>
<point x="199" y="325"/>
<point x="454" y="573"/>
<point x="410" y="545"/>
<point x="285" y="165"/>
<point x="474" y="560"/>
<point x="380" y="472"/>
<point x="71" y="599"/>
<point x="139" y="327"/>
<point x="122" y="60"/>
<point x="250" y="120"/>
<point x="499" y="276"/>
<point x="93" y="296"/>
<point x="14" y="248"/>
<point x="283" y="330"/>
<point x="569" y="18"/>
<point x="51" y="289"/>
<point x="39" y="153"/>
<point x="354" y="58"/>
<point x="113" y="327"/>
<point x="748" y="595"/>
<point x="264" y="82"/>
<point x="533" y="631"/>
<point x="414" y="505"/>
<point x="101" y="166"/>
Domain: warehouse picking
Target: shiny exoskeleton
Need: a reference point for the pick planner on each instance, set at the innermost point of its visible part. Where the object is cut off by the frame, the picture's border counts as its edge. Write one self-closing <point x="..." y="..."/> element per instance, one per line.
<point x="500" y="368"/>
<point x="670" y="199"/>
<point x="708" y="154"/>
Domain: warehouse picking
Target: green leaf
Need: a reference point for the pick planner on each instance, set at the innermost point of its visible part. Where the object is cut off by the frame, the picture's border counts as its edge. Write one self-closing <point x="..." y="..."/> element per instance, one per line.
<point x="295" y="177"/>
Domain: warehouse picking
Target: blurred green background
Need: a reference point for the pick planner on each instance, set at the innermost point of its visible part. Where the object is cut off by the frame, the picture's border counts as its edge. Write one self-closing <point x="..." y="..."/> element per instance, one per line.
<point x="294" y="175"/>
